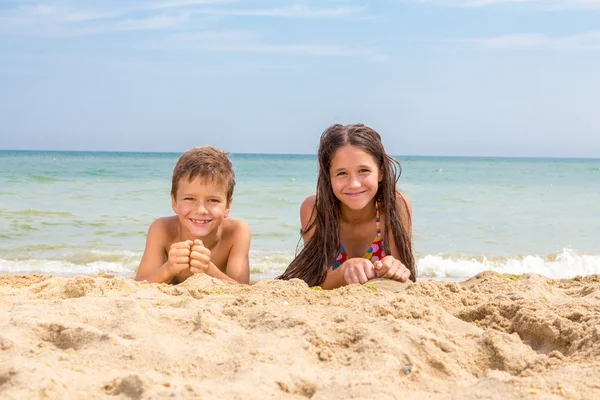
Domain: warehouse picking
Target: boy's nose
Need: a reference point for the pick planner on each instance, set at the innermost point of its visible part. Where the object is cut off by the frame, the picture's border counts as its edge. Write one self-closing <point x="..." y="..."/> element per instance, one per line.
<point x="201" y="209"/>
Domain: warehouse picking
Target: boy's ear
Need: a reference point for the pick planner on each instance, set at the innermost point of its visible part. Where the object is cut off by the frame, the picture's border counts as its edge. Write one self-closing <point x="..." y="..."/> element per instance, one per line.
<point x="228" y="208"/>
<point x="173" y="204"/>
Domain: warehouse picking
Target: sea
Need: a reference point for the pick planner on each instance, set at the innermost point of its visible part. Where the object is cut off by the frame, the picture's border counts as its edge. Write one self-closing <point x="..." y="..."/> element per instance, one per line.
<point x="73" y="213"/>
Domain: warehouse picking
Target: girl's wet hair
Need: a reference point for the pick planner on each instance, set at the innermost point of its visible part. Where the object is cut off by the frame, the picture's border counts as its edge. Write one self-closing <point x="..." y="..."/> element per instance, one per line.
<point x="319" y="253"/>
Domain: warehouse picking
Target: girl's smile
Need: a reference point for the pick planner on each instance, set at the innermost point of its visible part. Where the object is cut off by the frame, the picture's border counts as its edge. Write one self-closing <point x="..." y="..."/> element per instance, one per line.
<point x="354" y="176"/>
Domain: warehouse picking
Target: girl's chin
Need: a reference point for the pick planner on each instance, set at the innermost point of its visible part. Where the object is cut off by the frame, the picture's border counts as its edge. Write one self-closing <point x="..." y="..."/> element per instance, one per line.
<point x="355" y="205"/>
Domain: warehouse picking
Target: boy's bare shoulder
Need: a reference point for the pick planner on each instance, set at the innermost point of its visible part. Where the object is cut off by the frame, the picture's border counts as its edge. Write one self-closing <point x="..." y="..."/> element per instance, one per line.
<point x="166" y="225"/>
<point x="234" y="227"/>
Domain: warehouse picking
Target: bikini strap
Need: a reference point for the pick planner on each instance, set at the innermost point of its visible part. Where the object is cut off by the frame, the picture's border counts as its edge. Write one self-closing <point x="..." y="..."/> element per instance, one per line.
<point x="377" y="219"/>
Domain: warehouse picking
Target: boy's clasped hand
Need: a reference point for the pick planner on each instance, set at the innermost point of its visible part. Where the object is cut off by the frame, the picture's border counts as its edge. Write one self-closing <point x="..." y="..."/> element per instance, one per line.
<point x="190" y="255"/>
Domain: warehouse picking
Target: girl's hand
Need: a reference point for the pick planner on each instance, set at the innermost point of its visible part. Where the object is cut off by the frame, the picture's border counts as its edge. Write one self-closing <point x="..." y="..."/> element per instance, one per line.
<point x="358" y="270"/>
<point x="179" y="257"/>
<point x="391" y="268"/>
<point x="199" y="258"/>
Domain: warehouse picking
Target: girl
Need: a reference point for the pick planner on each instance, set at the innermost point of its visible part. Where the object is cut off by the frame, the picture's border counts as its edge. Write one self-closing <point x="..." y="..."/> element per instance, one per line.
<point x="357" y="226"/>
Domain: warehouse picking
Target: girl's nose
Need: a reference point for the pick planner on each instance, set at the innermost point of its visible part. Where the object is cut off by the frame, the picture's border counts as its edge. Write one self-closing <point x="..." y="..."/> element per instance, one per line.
<point x="354" y="182"/>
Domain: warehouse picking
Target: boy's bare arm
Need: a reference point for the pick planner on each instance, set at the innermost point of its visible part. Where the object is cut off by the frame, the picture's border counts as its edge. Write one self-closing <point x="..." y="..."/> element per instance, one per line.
<point x="237" y="268"/>
<point x="215" y="272"/>
<point x="238" y="264"/>
<point x="153" y="266"/>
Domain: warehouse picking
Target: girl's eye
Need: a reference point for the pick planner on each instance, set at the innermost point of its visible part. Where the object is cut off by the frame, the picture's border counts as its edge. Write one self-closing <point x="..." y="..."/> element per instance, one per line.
<point x="341" y="173"/>
<point x="364" y="170"/>
<point x="214" y="200"/>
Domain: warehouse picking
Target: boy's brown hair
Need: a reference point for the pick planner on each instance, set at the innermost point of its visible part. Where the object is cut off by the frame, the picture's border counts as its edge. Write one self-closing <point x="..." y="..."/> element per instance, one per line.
<point x="204" y="162"/>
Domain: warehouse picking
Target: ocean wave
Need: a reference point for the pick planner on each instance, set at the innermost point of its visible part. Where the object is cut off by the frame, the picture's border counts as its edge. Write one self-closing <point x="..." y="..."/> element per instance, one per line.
<point x="44" y="179"/>
<point x="122" y="263"/>
<point x="562" y="265"/>
<point x="98" y="172"/>
<point x="33" y="213"/>
<point x="565" y="264"/>
<point x="63" y="268"/>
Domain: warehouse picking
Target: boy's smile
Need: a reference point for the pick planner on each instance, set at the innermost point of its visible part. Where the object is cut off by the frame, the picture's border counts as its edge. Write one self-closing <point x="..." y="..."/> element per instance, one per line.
<point x="201" y="206"/>
<point x="200" y="221"/>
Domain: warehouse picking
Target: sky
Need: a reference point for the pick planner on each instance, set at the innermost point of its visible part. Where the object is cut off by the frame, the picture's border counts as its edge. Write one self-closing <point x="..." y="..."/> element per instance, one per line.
<point x="434" y="77"/>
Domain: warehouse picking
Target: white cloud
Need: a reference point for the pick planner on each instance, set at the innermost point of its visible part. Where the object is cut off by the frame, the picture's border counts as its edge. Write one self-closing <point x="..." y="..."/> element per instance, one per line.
<point x="49" y="13"/>
<point x="176" y="17"/>
<point x="589" y="41"/>
<point x="294" y="11"/>
<point x="544" y="5"/>
<point x="240" y="41"/>
<point x="53" y="19"/>
<point x="184" y="3"/>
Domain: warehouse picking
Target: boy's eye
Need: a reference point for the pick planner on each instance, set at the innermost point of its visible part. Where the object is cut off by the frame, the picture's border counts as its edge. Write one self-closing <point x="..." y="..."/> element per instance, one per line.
<point x="189" y="198"/>
<point x="214" y="200"/>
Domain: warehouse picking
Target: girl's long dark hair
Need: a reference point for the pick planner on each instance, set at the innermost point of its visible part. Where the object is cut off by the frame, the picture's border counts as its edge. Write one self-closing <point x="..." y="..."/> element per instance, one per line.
<point x="319" y="253"/>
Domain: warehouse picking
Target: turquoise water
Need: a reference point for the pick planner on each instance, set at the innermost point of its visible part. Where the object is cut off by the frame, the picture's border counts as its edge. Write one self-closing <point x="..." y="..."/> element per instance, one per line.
<point x="88" y="212"/>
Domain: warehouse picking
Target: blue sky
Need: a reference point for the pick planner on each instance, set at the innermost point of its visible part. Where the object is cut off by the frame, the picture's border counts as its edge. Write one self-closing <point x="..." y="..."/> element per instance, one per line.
<point x="434" y="77"/>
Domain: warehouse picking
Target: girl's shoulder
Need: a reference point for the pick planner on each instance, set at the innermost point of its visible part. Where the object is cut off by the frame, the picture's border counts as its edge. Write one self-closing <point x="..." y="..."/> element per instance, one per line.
<point x="403" y="203"/>
<point x="309" y="203"/>
<point x="307" y="210"/>
<point x="307" y="216"/>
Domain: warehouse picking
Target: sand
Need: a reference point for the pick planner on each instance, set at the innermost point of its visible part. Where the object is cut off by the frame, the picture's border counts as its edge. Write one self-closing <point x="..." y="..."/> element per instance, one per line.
<point x="492" y="336"/>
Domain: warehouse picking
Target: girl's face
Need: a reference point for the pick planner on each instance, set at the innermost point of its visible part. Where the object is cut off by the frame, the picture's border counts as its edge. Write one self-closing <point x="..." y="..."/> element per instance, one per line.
<point x="355" y="176"/>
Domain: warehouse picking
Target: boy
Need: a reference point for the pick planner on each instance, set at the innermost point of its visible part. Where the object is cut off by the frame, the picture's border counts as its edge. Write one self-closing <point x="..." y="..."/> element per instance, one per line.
<point x="200" y="238"/>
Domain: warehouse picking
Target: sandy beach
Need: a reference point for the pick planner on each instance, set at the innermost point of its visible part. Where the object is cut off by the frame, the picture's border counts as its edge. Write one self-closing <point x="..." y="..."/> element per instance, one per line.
<point x="492" y="336"/>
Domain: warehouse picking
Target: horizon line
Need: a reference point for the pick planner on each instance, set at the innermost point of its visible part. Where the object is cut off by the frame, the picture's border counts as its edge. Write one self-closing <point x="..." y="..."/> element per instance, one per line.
<point x="297" y="154"/>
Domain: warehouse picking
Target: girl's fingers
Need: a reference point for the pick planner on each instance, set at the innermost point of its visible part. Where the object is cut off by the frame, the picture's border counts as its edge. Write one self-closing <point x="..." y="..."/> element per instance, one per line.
<point x="351" y="277"/>
<point x="361" y="276"/>
<point x="402" y="275"/>
<point x="370" y="272"/>
<point x="391" y="272"/>
<point x="405" y="276"/>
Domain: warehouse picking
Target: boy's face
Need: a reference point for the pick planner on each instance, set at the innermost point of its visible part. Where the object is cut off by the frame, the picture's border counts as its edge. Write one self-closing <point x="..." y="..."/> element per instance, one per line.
<point x="201" y="206"/>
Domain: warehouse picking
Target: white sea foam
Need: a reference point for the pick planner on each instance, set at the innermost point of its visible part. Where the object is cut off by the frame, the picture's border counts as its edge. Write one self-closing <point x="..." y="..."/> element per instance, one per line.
<point x="566" y="264"/>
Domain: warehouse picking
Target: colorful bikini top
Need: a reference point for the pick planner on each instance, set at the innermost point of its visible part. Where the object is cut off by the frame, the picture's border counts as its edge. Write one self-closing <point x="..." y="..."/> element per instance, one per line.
<point x="375" y="252"/>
